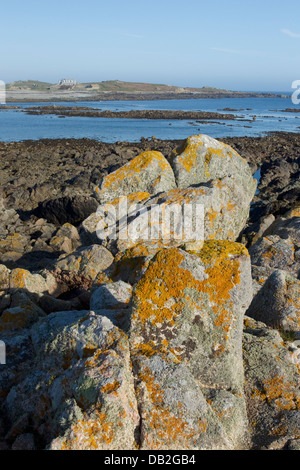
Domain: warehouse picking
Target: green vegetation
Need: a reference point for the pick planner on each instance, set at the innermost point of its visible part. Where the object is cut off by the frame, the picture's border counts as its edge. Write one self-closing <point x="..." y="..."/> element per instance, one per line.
<point x="29" y="85"/>
<point x="130" y="87"/>
<point x="112" y="86"/>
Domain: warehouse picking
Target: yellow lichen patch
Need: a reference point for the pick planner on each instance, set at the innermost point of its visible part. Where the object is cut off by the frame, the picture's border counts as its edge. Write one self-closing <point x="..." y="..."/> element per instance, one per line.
<point x="151" y="348"/>
<point x="182" y="196"/>
<point x="207" y="161"/>
<point x="218" y="184"/>
<point x="280" y="430"/>
<point x="132" y="198"/>
<point x="214" y="152"/>
<point x="110" y="387"/>
<point x="134" y="167"/>
<point x="141" y="249"/>
<point x="279" y="392"/>
<point x="164" y="280"/>
<point x="188" y="156"/>
<point x="155" y="393"/>
<point x="212" y="216"/>
<point x="91" y="433"/>
<point x="222" y="250"/>
<point x="293" y="213"/>
<point x="187" y="153"/>
<point x="231" y="206"/>
<point x="169" y="428"/>
<point x="18" y="278"/>
<point x="145" y="349"/>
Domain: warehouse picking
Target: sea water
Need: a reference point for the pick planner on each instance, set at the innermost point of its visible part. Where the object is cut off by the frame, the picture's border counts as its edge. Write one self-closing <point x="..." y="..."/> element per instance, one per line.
<point x="256" y="117"/>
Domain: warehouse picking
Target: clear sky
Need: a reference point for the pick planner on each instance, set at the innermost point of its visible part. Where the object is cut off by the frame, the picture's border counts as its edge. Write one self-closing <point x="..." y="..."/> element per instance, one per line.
<point x="233" y="44"/>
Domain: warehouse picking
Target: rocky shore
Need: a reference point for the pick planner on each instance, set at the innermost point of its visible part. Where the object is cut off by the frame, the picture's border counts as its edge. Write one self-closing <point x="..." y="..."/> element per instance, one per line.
<point x="178" y="344"/>
<point x="78" y="111"/>
<point x="30" y="96"/>
<point x="33" y="172"/>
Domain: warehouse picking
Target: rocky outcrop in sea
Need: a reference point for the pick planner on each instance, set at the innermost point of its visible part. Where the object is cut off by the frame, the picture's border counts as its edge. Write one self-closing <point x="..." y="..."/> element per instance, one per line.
<point x="151" y="340"/>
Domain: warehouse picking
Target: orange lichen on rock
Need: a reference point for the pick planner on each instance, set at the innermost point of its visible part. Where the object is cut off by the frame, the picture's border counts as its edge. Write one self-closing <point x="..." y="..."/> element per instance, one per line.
<point x="212" y="216"/>
<point x="223" y="274"/>
<point x="135" y="166"/>
<point x="188" y="153"/>
<point x="91" y="433"/>
<point x="132" y="198"/>
<point x="110" y="387"/>
<point x="164" y="280"/>
<point x="293" y="213"/>
<point x="279" y="392"/>
<point x="202" y="151"/>
<point x="168" y="287"/>
<point x="18" y="278"/>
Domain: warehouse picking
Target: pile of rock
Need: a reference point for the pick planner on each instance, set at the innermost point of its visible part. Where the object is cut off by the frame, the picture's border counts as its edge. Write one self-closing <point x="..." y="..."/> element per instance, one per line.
<point x="138" y="343"/>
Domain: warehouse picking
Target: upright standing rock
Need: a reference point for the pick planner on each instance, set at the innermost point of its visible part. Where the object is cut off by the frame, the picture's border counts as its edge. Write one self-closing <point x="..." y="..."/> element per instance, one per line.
<point x="202" y="158"/>
<point x="186" y="347"/>
<point x="148" y="172"/>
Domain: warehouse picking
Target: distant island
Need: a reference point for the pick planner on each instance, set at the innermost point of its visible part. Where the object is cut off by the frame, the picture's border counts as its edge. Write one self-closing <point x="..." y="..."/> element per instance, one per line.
<point x="69" y="89"/>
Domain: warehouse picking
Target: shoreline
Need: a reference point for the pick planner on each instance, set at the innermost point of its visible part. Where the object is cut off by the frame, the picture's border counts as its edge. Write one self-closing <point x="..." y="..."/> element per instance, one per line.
<point x="77" y="111"/>
<point x="52" y="181"/>
<point x="51" y="168"/>
<point x="142" y="140"/>
<point x="23" y="96"/>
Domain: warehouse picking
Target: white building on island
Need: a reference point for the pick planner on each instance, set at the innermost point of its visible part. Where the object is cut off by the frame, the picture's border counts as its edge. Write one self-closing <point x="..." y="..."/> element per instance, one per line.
<point x="67" y="82"/>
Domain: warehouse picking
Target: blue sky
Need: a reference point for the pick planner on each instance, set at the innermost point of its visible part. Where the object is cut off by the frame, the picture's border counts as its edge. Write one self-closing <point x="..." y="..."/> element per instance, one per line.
<point x="229" y="44"/>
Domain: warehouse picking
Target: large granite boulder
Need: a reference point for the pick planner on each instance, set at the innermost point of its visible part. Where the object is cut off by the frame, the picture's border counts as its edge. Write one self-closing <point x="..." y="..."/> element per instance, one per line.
<point x="216" y="210"/>
<point x="79" y="394"/>
<point x="209" y="175"/>
<point x="202" y="158"/>
<point x="148" y="172"/>
<point x="186" y="334"/>
<point x="145" y="351"/>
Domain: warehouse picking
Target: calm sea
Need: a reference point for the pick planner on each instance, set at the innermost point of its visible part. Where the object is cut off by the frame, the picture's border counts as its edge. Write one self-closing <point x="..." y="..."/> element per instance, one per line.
<point x="269" y="113"/>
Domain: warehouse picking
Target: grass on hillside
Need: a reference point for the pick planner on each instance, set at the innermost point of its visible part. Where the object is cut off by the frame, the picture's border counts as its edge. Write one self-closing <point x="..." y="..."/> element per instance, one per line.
<point x="30" y="85"/>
